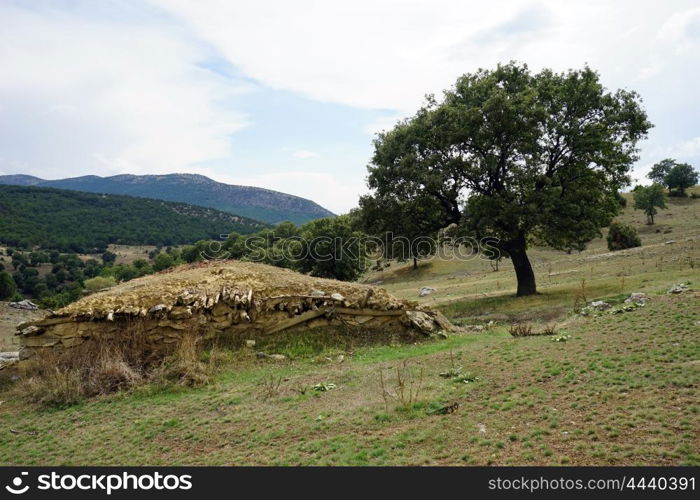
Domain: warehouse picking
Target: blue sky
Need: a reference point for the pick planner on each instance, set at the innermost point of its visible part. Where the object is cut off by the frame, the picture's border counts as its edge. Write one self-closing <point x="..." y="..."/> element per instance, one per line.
<point x="287" y="95"/>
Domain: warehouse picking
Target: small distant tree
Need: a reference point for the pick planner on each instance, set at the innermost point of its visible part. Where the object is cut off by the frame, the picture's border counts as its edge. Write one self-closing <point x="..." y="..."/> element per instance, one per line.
<point x="680" y="178"/>
<point x="404" y="228"/>
<point x="109" y="258"/>
<point x="621" y="236"/>
<point x="8" y="287"/>
<point x="648" y="199"/>
<point x="660" y="170"/>
<point x="163" y="261"/>
<point x="332" y="249"/>
<point x="285" y="230"/>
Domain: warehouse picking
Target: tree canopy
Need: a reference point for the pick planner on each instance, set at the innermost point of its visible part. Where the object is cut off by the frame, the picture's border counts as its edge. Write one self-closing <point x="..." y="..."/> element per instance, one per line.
<point x="648" y="199"/>
<point x="515" y="156"/>
<point x="680" y="178"/>
<point x="660" y="170"/>
<point x="677" y="177"/>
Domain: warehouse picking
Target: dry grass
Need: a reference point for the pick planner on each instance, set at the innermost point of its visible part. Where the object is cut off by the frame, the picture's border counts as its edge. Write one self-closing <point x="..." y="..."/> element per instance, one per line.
<point x="526" y="330"/>
<point x="103" y="366"/>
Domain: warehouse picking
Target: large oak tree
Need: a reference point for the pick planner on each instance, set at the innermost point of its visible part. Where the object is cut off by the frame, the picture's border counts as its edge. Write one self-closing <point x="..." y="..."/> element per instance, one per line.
<point x="515" y="156"/>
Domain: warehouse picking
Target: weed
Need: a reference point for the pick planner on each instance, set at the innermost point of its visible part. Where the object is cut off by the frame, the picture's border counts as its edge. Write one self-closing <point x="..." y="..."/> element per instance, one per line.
<point x="270" y="386"/>
<point x="520" y="330"/>
<point x="406" y="387"/>
<point x="323" y="387"/>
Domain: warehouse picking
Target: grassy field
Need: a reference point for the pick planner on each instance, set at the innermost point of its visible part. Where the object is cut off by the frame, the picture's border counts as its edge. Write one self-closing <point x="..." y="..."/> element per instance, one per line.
<point x="615" y="389"/>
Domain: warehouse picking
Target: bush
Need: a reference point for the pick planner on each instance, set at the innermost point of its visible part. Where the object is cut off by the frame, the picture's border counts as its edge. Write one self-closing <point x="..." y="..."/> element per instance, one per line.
<point x="621" y="236"/>
<point x="99" y="283"/>
<point x="8" y="287"/>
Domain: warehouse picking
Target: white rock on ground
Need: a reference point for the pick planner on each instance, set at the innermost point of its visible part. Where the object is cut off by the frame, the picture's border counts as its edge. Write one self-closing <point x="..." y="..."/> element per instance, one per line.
<point x="638" y="298"/>
<point x="24" y="304"/>
<point x="426" y="290"/>
<point x="600" y="305"/>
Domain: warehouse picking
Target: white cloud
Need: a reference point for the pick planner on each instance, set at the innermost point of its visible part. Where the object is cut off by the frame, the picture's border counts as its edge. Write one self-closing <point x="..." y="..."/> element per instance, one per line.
<point x="305" y="155"/>
<point x="687" y="149"/>
<point x="383" y="123"/>
<point x="108" y="97"/>
<point x="388" y="54"/>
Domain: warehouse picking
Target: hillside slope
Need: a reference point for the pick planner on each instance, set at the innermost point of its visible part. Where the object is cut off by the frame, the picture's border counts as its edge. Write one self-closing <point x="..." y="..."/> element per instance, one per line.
<point x="80" y="222"/>
<point x="257" y="203"/>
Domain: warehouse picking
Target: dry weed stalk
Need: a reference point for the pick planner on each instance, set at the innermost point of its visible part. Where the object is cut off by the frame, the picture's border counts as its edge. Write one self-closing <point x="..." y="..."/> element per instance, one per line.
<point x="406" y="387"/>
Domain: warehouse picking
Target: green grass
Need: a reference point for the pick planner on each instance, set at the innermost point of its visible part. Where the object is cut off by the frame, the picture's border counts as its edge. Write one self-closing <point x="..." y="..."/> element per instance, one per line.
<point x="622" y="391"/>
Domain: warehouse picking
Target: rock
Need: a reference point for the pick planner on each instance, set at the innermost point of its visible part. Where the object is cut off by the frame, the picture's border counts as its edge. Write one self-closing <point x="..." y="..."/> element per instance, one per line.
<point x="29" y="331"/>
<point x="9" y="356"/>
<point x="600" y="305"/>
<point x="24" y="304"/>
<point x="669" y="242"/>
<point x="157" y="308"/>
<point x="426" y="290"/>
<point x="421" y="321"/>
<point x="264" y="355"/>
<point x="250" y="343"/>
<point x="481" y="427"/>
<point x="337" y="296"/>
<point x="679" y="288"/>
<point x="638" y="298"/>
<point x="317" y="293"/>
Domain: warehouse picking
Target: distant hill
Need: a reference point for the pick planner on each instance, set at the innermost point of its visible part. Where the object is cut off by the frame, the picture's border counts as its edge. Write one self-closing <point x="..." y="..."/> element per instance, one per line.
<point x="72" y="221"/>
<point x="257" y="203"/>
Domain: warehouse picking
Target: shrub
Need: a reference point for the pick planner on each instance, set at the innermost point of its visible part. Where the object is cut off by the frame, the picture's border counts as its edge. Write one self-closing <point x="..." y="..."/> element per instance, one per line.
<point x="8" y="287"/>
<point x="99" y="283"/>
<point x="519" y="330"/>
<point x="621" y="236"/>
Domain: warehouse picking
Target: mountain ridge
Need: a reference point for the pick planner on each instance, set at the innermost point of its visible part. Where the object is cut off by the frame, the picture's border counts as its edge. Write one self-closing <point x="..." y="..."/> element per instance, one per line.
<point x="262" y="204"/>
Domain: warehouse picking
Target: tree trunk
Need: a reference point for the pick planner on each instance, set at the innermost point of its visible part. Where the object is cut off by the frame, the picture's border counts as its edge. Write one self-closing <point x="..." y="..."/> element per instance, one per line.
<point x="523" y="269"/>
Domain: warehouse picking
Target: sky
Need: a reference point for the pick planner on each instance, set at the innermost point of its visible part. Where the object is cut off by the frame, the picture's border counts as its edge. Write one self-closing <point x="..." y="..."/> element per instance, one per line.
<point x="288" y="95"/>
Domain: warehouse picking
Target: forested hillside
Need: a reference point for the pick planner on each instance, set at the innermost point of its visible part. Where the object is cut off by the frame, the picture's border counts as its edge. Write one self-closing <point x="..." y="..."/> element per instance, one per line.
<point x="73" y="221"/>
